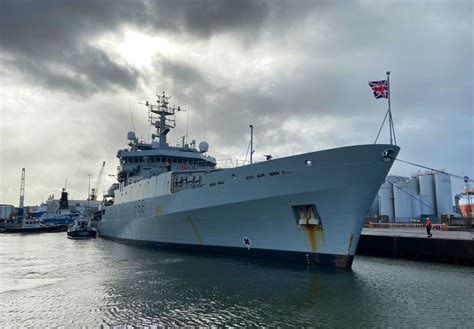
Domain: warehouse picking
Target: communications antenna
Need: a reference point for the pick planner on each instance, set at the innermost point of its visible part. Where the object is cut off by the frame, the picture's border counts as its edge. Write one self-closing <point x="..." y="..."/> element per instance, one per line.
<point x="158" y="116"/>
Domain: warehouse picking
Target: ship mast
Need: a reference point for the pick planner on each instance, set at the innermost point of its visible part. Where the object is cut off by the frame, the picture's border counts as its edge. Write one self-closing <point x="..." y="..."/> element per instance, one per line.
<point x="158" y="117"/>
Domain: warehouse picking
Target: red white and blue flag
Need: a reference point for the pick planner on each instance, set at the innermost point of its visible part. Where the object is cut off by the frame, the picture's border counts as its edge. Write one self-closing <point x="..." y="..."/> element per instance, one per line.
<point x="380" y="88"/>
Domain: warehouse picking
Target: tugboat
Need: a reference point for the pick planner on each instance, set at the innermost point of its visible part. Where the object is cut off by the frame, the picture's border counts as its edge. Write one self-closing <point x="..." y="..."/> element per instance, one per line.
<point x="81" y="229"/>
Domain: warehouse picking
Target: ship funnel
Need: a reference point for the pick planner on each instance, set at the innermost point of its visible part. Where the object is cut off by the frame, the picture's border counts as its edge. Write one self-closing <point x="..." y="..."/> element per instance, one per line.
<point x="131" y="135"/>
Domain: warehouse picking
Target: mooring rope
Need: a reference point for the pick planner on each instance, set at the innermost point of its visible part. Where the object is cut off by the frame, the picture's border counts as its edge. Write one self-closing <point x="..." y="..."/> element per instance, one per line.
<point x="464" y="178"/>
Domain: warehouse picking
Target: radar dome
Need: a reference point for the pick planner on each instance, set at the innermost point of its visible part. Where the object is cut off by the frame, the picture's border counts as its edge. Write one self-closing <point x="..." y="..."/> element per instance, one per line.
<point x="203" y="147"/>
<point x="131" y="135"/>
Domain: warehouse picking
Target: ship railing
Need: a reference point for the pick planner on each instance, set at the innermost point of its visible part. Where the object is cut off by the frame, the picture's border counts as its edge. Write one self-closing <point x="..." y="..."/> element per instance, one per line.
<point x="232" y="163"/>
<point x="441" y="227"/>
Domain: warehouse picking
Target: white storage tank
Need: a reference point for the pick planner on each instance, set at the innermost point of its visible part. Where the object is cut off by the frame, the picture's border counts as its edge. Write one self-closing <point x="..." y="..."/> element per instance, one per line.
<point x="427" y="193"/>
<point x="374" y="208"/>
<point x="415" y="198"/>
<point x="414" y="186"/>
<point x="444" y="204"/>
<point x="5" y="211"/>
<point x="402" y="202"/>
<point x="416" y="207"/>
<point x="386" y="201"/>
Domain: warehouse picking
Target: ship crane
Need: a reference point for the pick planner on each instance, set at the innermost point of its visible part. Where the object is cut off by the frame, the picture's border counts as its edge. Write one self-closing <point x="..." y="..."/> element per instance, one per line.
<point x="98" y="184"/>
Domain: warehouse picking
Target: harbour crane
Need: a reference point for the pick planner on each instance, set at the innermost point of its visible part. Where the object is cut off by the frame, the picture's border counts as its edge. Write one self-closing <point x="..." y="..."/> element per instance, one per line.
<point x="22" y="189"/>
<point x="98" y="183"/>
<point x="21" y="206"/>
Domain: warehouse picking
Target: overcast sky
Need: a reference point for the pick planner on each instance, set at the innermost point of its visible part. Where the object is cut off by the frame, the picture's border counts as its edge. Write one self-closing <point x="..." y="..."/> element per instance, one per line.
<point x="297" y="70"/>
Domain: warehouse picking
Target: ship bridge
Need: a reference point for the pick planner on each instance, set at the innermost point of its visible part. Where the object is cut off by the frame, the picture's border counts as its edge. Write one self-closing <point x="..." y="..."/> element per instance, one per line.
<point x="147" y="159"/>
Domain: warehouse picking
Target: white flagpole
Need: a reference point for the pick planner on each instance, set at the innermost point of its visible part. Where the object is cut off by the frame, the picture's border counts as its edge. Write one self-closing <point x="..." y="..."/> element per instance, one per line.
<point x="389" y="110"/>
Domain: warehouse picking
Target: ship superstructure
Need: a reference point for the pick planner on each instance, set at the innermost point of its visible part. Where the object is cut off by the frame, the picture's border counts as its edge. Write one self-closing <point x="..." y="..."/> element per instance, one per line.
<point x="286" y="208"/>
<point x="144" y="160"/>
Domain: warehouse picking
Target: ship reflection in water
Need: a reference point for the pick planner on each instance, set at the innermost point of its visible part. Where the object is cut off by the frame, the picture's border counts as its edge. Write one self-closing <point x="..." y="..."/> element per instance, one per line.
<point x="48" y="280"/>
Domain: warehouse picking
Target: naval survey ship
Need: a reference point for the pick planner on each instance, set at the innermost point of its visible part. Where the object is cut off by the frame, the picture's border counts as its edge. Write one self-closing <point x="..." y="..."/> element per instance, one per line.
<point x="307" y="208"/>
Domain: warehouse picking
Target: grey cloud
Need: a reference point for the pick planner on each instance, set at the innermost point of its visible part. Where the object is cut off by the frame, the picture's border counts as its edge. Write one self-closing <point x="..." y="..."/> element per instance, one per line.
<point x="36" y="37"/>
<point x="85" y="72"/>
<point x="47" y="42"/>
<point x="97" y="67"/>
<point x="54" y="28"/>
<point x="46" y="75"/>
<point x="204" y="18"/>
<point x="42" y="35"/>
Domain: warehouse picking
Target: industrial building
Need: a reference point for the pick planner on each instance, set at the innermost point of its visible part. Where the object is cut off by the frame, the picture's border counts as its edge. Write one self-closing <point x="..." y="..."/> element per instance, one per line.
<point x="6" y="210"/>
<point x="404" y="199"/>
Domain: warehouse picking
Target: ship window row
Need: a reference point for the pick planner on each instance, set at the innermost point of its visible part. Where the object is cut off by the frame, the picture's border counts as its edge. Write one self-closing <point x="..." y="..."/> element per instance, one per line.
<point x="160" y="159"/>
<point x="218" y="183"/>
<point x="273" y="173"/>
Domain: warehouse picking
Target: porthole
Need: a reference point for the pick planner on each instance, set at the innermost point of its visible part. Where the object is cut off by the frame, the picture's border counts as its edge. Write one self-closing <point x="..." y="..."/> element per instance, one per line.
<point x="388" y="155"/>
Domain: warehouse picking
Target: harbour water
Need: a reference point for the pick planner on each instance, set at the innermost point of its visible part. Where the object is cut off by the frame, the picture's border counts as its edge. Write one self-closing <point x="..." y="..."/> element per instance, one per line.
<point x="49" y="280"/>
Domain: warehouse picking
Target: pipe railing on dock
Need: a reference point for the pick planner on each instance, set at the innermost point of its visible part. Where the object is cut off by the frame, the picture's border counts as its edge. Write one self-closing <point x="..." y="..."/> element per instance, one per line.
<point x="442" y="227"/>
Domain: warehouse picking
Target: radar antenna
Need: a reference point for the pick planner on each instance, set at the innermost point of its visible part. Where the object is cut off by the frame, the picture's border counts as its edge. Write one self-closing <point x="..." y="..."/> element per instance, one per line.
<point x="157" y="116"/>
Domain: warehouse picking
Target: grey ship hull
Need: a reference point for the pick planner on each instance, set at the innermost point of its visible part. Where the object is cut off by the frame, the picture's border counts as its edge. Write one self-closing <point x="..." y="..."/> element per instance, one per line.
<point x="253" y="210"/>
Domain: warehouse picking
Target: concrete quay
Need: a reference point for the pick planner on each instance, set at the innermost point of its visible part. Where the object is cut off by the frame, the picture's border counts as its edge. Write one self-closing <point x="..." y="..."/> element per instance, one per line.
<point x="412" y="243"/>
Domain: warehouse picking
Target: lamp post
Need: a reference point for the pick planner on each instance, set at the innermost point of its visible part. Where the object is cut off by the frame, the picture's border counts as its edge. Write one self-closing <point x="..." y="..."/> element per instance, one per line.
<point x="89" y="189"/>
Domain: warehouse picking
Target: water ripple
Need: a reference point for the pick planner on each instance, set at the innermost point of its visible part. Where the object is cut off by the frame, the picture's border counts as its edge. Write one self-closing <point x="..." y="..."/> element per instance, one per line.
<point x="47" y="280"/>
